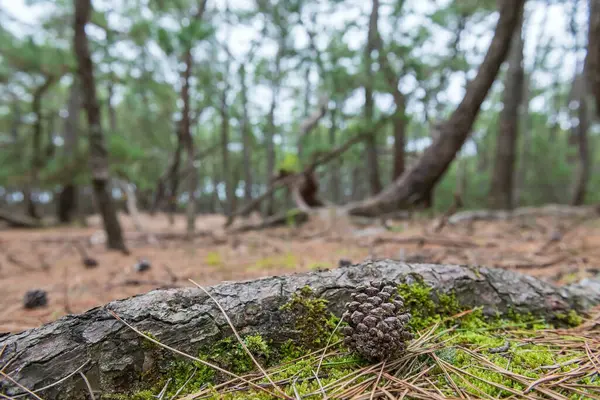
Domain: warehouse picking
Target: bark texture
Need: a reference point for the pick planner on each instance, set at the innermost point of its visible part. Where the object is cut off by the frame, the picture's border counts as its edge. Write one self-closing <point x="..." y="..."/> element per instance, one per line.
<point x="98" y="152"/>
<point x="501" y="191"/>
<point x="188" y="140"/>
<point x="188" y="320"/>
<point x="37" y="161"/>
<point x="580" y="133"/>
<point x="416" y="183"/>
<point x="67" y="199"/>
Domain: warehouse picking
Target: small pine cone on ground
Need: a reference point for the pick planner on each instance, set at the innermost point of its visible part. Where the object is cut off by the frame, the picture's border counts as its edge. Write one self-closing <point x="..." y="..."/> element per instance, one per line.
<point x="377" y="321"/>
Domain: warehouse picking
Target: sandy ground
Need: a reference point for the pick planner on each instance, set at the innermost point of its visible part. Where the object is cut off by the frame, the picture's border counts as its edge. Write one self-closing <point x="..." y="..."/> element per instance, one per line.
<point x="560" y="250"/>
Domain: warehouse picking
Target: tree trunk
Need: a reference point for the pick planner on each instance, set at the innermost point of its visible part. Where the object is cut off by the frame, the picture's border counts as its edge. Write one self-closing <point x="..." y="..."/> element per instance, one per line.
<point x="246" y="138"/>
<point x="593" y="53"/>
<point x="16" y="121"/>
<point x="174" y="178"/>
<point x="112" y="114"/>
<point x="270" y="145"/>
<point x="399" y="120"/>
<point x="336" y="166"/>
<point x="580" y="132"/>
<point x="188" y="320"/>
<point x="502" y="187"/>
<point x="67" y="199"/>
<point x="37" y="157"/>
<point x="371" y="142"/>
<point x="188" y="141"/>
<point x="229" y="194"/>
<point x="307" y="94"/>
<point x="540" y="55"/>
<point x="417" y="182"/>
<point x="98" y="152"/>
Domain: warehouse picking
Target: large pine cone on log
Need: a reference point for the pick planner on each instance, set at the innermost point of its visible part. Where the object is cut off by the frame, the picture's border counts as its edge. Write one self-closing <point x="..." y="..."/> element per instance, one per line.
<point x="377" y="321"/>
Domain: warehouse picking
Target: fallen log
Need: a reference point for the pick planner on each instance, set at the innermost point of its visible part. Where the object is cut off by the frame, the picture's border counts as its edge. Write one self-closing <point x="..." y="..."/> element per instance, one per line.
<point x="293" y="217"/>
<point x="114" y="357"/>
<point x="553" y="210"/>
<point x="19" y="221"/>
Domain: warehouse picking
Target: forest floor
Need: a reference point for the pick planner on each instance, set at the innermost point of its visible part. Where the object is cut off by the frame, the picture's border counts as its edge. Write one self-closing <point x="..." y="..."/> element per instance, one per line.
<point x="558" y="249"/>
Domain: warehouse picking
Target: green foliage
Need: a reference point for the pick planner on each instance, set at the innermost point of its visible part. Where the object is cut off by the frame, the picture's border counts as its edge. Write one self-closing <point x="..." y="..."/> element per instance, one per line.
<point x="289" y="163"/>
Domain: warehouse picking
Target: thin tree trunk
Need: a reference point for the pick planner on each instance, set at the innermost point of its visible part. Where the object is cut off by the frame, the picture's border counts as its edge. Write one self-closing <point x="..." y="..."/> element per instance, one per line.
<point x="414" y="185"/>
<point x="112" y="114"/>
<point x="37" y="159"/>
<point x="502" y="187"/>
<point x="174" y="178"/>
<point x="67" y="203"/>
<point x="580" y="132"/>
<point x="223" y="110"/>
<point x="270" y="145"/>
<point x="541" y="53"/>
<point x="399" y="120"/>
<point x="371" y="143"/>
<point x="307" y="94"/>
<point x="336" y="166"/>
<point x="188" y="141"/>
<point x="246" y="138"/>
<point x="592" y="67"/>
<point x="98" y="152"/>
<point x="17" y="120"/>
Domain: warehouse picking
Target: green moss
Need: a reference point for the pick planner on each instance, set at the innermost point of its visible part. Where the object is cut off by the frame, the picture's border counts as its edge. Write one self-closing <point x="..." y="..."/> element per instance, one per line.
<point x="229" y="354"/>
<point x="310" y="317"/>
<point x="148" y="344"/>
<point x="425" y="305"/>
<point x="570" y="319"/>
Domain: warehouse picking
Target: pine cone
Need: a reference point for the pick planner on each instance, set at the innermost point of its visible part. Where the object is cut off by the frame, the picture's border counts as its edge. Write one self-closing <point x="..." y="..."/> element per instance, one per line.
<point x="376" y="321"/>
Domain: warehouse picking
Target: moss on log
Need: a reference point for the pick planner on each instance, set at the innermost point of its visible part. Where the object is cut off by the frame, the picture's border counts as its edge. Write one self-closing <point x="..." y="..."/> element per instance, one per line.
<point x="115" y="357"/>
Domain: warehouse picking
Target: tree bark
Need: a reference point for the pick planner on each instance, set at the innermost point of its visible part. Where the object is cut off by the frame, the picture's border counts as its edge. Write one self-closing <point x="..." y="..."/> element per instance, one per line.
<point x="246" y="138"/>
<point x="371" y="142"/>
<point x="399" y="120"/>
<point x="188" y="142"/>
<point x="98" y="152"/>
<point x="190" y="321"/>
<point x="37" y="156"/>
<point x="229" y="193"/>
<point x="502" y="187"/>
<point x="17" y="121"/>
<point x="112" y="114"/>
<point x="593" y="53"/>
<point x="336" y="166"/>
<point x="307" y="94"/>
<point x="580" y="132"/>
<point x="67" y="199"/>
<point x="270" y="145"/>
<point x="417" y="182"/>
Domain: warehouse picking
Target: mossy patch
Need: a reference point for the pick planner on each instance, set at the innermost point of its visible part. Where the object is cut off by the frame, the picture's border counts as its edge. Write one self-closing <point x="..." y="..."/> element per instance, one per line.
<point x="427" y="306"/>
<point x="310" y="317"/>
